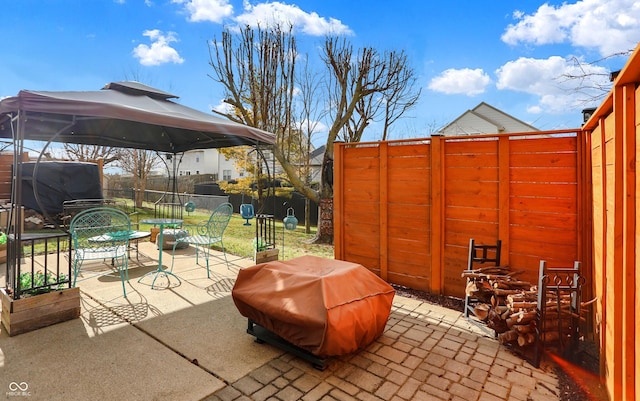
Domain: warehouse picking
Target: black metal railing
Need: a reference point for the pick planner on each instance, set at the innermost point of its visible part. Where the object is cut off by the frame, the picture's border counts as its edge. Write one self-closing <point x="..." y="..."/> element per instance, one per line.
<point x="44" y="263"/>
<point x="265" y="232"/>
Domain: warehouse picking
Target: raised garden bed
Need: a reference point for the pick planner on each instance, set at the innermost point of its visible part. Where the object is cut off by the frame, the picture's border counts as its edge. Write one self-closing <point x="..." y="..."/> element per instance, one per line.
<point x="37" y="311"/>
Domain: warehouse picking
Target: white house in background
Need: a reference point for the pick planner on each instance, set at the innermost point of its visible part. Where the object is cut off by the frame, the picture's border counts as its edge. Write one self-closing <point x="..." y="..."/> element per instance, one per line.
<point x="207" y="161"/>
<point x="210" y="161"/>
<point x="485" y="119"/>
<point x="315" y="162"/>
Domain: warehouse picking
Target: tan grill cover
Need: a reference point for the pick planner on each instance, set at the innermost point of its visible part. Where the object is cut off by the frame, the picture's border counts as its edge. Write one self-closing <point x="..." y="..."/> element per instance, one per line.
<point x="325" y="306"/>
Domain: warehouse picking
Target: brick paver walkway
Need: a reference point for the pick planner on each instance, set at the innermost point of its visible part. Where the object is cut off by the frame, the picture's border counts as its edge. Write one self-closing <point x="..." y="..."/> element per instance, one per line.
<point x="426" y="353"/>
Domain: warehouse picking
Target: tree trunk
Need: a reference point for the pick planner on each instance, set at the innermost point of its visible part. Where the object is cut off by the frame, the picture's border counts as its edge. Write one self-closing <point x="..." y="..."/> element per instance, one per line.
<point x="138" y="196"/>
<point x="307" y="217"/>
<point x="325" y="215"/>
<point x="325" y="222"/>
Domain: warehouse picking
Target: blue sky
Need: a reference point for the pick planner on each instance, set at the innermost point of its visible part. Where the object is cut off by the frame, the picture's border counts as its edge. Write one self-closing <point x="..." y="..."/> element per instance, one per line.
<point x="511" y="55"/>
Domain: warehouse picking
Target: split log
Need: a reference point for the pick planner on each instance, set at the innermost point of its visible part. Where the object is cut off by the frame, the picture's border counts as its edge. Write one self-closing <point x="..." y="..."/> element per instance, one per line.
<point x="471" y="288"/>
<point x="512" y="284"/>
<point x="521" y="296"/>
<point x="526" y="339"/>
<point x="489" y="270"/>
<point x="482" y="311"/>
<point x="484" y="276"/>
<point x="523" y="305"/>
<point x="497" y="300"/>
<point x="521" y="318"/>
<point x="495" y="321"/>
<point x="505" y="292"/>
<point x="500" y="309"/>
<point x="507" y="336"/>
<point x="524" y="328"/>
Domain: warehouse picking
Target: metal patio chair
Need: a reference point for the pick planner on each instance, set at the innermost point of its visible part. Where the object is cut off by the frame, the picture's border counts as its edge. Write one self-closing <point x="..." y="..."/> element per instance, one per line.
<point x="206" y="234"/>
<point x="101" y="233"/>
<point x="72" y="207"/>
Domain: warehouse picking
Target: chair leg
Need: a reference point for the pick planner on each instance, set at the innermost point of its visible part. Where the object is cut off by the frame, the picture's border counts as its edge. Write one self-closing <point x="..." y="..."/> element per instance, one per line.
<point x="77" y="264"/>
<point x="173" y="254"/>
<point x="197" y="252"/>
<point x="124" y="271"/>
<point x="225" y="255"/>
<point x="206" y="258"/>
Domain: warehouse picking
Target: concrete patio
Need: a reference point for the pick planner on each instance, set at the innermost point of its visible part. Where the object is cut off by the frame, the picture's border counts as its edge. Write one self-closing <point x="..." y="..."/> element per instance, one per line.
<point x="187" y="341"/>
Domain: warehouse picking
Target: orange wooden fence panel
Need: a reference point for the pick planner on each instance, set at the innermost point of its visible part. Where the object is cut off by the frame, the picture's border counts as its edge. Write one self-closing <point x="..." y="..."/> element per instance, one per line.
<point x="614" y="152"/>
<point x="560" y="198"/>
<point x="407" y="209"/>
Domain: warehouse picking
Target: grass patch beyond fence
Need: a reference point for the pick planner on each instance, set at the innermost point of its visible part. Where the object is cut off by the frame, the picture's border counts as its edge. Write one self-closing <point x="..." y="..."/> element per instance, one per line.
<point x="238" y="238"/>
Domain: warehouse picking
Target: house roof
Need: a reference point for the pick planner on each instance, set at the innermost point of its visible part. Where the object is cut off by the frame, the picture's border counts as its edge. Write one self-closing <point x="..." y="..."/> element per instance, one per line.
<point x="485" y="119"/>
<point x="318" y="151"/>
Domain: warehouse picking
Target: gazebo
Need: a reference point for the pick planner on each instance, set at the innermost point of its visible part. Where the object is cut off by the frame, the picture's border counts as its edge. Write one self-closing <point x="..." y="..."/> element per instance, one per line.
<point x="122" y="114"/>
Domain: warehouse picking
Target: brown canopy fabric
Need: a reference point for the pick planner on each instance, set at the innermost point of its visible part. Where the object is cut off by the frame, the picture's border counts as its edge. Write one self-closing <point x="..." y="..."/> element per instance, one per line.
<point x="122" y="114"/>
<point x="325" y="306"/>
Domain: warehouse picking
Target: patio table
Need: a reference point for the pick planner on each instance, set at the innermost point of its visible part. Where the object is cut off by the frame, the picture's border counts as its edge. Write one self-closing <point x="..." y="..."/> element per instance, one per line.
<point x="133" y="236"/>
<point x="161" y="222"/>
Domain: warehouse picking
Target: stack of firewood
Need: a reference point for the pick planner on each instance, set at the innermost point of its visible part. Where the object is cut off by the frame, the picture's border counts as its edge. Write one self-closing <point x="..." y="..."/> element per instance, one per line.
<point x="506" y="304"/>
<point x="510" y="306"/>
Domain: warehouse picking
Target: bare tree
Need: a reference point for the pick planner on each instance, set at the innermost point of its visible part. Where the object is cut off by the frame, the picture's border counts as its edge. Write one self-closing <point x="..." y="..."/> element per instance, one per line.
<point x="257" y="71"/>
<point x="309" y="116"/>
<point x="91" y="153"/>
<point x="139" y="163"/>
<point x="590" y="80"/>
<point x="402" y="94"/>
<point x="258" y="74"/>
<point x="356" y="86"/>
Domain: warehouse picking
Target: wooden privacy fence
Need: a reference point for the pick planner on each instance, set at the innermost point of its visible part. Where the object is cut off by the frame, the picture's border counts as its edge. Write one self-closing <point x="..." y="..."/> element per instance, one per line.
<point x="407" y="209"/>
<point x="613" y="130"/>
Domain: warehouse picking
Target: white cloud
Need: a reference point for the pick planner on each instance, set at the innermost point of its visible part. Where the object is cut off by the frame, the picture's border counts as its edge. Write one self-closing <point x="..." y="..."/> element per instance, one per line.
<point x="206" y="10"/>
<point x="265" y="14"/>
<point x="269" y="14"/>
<point x="536" y="109"/>
<point x="222" y="107"/>
<point x="316" y="126"/>
<point x="610" y="26"/>
<point x="463" y="81"/>
<point x="548" y="80"/>
<point x="160" y="52"/>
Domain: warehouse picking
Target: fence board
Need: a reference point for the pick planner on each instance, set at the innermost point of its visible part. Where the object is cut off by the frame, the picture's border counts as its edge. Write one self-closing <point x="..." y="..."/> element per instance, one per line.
<point x="544" y="175"/>
<point x="471" y="213"/>
<point x="540" y="145"/>
<point x="548" y="220"/>
<point x="481" y="202"/>
<point x="543" y="160"/>
<point x="536" y="189"/>
<point x="439" y="195"/>
<point x="471" y="160"/>
<point x="479" y="173"/>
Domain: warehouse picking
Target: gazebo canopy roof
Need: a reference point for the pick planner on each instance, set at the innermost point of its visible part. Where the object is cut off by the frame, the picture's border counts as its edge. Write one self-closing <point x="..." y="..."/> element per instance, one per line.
<point x="122" y="114"/>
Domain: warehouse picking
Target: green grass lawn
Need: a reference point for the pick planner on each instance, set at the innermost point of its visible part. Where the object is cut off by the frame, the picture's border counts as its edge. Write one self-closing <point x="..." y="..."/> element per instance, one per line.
<point x="238" y="238"/>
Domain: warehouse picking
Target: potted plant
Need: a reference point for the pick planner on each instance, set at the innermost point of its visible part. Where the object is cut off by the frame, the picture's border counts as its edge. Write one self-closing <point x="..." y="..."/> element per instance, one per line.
<point x="36" y="298"/>
<point x="41" y="283"/>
